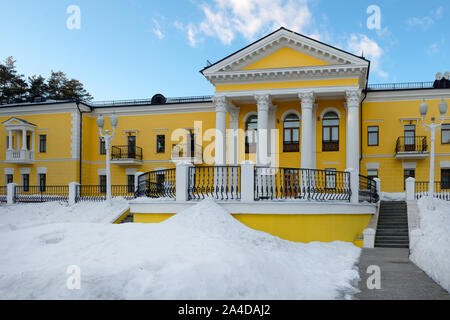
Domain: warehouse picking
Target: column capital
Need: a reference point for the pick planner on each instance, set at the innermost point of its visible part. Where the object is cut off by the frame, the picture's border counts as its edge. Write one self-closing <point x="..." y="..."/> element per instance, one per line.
<point x="263" y="101"/>
<point x="220" y="102"/>
<point x="307" y="99"/>
<point x="353" y="97"/>
<point x="234" y="114"/>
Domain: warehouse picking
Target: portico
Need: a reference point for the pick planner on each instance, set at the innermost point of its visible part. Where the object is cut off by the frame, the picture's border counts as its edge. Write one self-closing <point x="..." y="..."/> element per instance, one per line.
<point x="261" y="76"/>
<point x="21" y="137"/>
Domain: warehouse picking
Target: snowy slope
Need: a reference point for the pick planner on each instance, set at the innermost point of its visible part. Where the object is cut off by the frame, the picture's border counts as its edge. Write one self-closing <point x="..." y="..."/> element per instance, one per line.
<point x="29" y="215"/>
<point x="200" y="253"/>
<point x="432" y="251"/>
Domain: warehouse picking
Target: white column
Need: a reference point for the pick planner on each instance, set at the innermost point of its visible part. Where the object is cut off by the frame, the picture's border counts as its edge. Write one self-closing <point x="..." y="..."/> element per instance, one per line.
<point x="247" y="181"/>
<point x="233" y="136"/>
<point x="221" y="123"/>
<point x="313" y="135"/>
<point x="353" y="99"/>
<point x="10" y="147"/>
<point x="354" y="184"/>
<point x="307" y="101"/>
<point x="262" y="146"/>
<point x="182" y="180"/>
<point x="24" y="139"/>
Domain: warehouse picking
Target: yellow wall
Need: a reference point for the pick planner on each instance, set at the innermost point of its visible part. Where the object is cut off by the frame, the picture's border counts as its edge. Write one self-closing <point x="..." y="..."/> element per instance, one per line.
<point x="290" y="84"/>
<point x="297" y="228"/>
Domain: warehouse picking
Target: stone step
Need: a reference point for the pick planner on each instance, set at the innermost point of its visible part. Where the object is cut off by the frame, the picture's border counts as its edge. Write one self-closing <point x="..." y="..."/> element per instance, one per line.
<point x="391" y="246"/>
<point x="386" y="238"/>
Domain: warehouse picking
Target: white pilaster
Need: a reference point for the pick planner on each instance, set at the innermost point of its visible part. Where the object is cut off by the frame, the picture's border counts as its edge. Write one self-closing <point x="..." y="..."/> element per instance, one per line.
<point x="262" y="147"/>
<point x="307" y="102"/>
<point x="221" y="123"/>
<point x="247" y="181"/>
<point x="410" y="188"/>
<point x="10" y="191"/>
<point x="182" y="180"/>
<point x="353" y="100"/>
<point x="73" y="186"/>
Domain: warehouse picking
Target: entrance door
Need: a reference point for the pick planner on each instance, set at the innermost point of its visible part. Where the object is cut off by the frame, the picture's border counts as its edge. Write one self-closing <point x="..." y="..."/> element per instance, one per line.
<point x="410" y="138"/>
<point x="131" y="147"/>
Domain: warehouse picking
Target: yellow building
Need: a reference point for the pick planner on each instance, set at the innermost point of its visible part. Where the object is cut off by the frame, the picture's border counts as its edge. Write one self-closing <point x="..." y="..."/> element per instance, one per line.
<point x="296" y="101"/>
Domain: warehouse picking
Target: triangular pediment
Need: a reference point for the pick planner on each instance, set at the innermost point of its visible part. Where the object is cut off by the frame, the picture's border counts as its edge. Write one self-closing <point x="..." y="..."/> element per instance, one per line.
<point x="283" y="52"/>
<point x="17" y="122"/>
<point x="286" y="58"/>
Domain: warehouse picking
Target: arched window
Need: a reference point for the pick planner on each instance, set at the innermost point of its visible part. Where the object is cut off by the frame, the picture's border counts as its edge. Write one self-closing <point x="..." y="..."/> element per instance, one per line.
<point x="330" y="132"/>
<point x="251" y="127"/>
<point x="291" y="133"/>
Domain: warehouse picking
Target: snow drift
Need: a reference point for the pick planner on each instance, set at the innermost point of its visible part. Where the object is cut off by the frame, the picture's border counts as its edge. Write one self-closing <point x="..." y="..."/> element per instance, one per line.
<point x="200" y="253"/>
<point x="432" y="250"/>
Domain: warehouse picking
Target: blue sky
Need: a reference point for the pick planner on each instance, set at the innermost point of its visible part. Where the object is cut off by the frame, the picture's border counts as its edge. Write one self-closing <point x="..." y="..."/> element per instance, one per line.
<point x="126" y="49"/>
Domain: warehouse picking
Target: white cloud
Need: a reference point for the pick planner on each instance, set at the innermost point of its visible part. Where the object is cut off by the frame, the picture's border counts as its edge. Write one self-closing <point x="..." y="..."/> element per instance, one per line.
<point x="362" y="44"/>
<point x="427" y="21"/>
<point x="225" y="19"/>
<point x="157" y="29"/>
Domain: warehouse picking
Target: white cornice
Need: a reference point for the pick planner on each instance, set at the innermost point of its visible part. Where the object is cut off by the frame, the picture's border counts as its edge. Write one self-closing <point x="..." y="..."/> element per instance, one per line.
<point x="407" y="95"/>
<point x="38" y="109"/>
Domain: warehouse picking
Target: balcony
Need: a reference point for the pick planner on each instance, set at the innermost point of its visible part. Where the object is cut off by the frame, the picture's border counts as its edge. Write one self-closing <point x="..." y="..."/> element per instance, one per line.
<point x="19" y="156"/>
<point x="126" y="155"/>
<point x="411" y="148"/>
<point x="187" y="152"/>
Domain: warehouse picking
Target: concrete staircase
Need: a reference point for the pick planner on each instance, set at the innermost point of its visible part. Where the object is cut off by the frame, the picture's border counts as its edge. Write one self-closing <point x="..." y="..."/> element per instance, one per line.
<point x="128" y="219"/>
<point x="392" y="229"/>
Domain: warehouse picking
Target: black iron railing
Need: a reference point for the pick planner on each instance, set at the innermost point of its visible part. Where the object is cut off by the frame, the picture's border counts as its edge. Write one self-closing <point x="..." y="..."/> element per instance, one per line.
<point x="187" y="150"/>
<point x="157" y="184"/>
<point x="368" y="190"/>
<point x="441" y="189"/>
<point x="41" y="193"/>
<point x="126" y="152"/>
<point x="411" y="144"/>
<point x="98" y="192"/>
<point x="399" y="86"/>
<point x="169" y="100"/>
<point x="3" y="193"/>
<point x="302" y="184"/>
<point x="219" y="182"/>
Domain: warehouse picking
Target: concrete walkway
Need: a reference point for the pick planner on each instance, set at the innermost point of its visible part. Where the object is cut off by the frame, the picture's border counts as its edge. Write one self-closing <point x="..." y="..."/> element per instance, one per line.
<point x="400" y="278"/>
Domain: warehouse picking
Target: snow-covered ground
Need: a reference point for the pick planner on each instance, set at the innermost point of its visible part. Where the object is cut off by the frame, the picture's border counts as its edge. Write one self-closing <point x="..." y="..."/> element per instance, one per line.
<point x="200" y="253"/>
<point x="432" y="251"/>
<point x="30" y="215"/>
<point x="392" y="196"/>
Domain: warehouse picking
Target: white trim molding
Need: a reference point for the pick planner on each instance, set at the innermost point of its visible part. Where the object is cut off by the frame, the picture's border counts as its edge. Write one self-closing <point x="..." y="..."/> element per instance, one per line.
<point x="372" y="166"/>
<point x="101" y="172"/>
<point x="291" y="111"/>
<point x="25" y="170"/>
<point x="330" y="109"/>
<point x="41" y="170"/>
<point x="8" y="170"/>
<point x="409" y="165"/>
<point x="445" y="164"/>
<point x="130" y="171"/>
<point x="248" y="115"/>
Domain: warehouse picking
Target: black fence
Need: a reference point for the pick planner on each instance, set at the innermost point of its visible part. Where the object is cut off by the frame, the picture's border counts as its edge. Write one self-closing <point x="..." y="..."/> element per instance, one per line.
<point x="3" y="194"/>
<point x="399" y="86"/>
<point x="126" y="152"/>
<point x="98" y="192"/>
<point x="157" y="184"/>
<point x="30" y="194"/>
<point x="368" y="190"/>
<point x="411" y="144"/>
<point x="441" y="190"/>
<point x="301" y="184"/>
<point x="218" y="182"/>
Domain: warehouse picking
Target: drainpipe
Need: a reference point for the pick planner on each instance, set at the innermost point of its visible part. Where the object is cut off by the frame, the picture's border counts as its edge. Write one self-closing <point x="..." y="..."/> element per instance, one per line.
<point x="361" y="119"/>
<point x="81" y="140"/>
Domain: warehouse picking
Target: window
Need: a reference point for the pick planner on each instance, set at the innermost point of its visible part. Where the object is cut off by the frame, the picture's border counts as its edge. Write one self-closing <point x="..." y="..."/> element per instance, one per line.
<point x="102" y="146"/>
<point x="372" y="173"/>
<point x="330" y="178"/>
<point x="372" y="135"/>
<point x="160" y="143"/>
<point x="130" y="183"/>
<point x="102" y="183"/>
<point x="445" y="178"/>
<point x="42" y="143"/>
<point x="26" y="182"/>
<point x="42" y="182"/>
<point x="445" y="133"/>
<point x="131" y="146"/>
<point x="408" y="173"/>
<point x="410" y="137"/>
<point x="9" y="179"/>
<point x="291" y="133"/>
<point x="251" y="127"/>
<point x="330" y="132"/>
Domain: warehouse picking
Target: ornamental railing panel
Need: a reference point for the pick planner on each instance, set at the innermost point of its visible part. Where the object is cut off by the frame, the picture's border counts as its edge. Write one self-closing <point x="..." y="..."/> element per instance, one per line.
<point x="441" y="190"/>
<point x="157" y="184"/>
<point x="217" y="182"/>
<point x="368" y="190"/>
<point x="30" y="194"/>
<point x="301" y="184"/>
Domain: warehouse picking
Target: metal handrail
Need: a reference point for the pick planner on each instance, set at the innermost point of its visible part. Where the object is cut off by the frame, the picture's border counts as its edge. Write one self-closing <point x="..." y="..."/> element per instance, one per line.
<point x="126" y="152"/>
<point x="416" y="144"/>
<point x="401" y="85"/>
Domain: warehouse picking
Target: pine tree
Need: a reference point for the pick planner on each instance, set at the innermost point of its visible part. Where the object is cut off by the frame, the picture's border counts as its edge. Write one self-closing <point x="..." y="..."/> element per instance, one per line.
<point x="74" y="90"/>
<point x="37" y="87"/>
<point x="13" y="87"/>
<point x="55" y="85"/>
